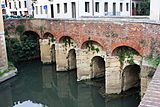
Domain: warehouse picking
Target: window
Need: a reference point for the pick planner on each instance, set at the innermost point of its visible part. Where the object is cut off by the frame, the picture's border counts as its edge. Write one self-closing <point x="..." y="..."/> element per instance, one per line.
<point x="121" y="7"/>
<point x="114" y="8"/>
<point x="132" y="5"/>
<point x="97" y="7"/>
<point x="106" y="7"/>
<point x="41" y="9"/>
<point x="19" y="4"/>
<point x="10" y="5"/>
<point x="25" y="4"/>
<point x="65" y="7"/>
<point x="87" y="7"/>
<point x="127" y="6"/>
<point x="58" y="8"/>
<point x="36" y="9"/>
<point x="15" y="5"/>
<point x="6" y="2"/>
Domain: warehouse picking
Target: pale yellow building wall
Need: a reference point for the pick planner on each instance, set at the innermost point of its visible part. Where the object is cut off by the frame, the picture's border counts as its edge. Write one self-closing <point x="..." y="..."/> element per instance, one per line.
<point x="3" y="54"/>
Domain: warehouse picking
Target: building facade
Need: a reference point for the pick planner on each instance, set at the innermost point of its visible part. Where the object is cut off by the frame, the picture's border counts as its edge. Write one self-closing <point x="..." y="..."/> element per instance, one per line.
<point x="3" y="54"/>
<point x="16" y="7"/>
<point x="84" y="8"/>
<point x="155" y="10"/>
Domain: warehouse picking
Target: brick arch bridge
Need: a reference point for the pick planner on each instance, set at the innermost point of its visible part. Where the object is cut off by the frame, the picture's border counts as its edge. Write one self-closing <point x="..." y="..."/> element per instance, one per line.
<point x="137" y="34"/>
<point x="109" y="34"/>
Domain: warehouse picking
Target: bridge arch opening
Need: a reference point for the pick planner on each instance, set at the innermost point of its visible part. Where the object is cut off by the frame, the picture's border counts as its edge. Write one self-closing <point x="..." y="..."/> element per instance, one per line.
<point x="131" y="77"/>
<point x="30" y="39"/>
<point x="71" y="59"/>
<point x="29" y="32"/>
<point x="68" y="41"/>
<point x="97" y="67"/>
<point x="51" y="38"/>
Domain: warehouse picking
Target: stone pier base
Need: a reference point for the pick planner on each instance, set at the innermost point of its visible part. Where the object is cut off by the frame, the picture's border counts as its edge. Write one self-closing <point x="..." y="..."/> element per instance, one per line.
<point x="113" y="78"/>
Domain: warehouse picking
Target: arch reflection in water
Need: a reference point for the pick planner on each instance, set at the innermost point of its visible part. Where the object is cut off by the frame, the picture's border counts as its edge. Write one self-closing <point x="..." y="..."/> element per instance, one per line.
<point x="41" y="84"/>
<point x="29" y="104"/>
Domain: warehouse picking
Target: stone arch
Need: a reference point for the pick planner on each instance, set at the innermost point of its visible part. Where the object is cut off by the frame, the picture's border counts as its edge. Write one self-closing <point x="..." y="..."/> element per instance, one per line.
<point x="69" y="35"/>
<point x="30" y="32"/>
<point x="98" y="41"/>
<point x="71" y="59"/>
<point x="47" y="34"/>
<point x="90" y="43"/>
<point x="124" y="47"/>
<point x="130" y="77"/>
<point x="130" y="45"/>
<point x="97" y="67"/>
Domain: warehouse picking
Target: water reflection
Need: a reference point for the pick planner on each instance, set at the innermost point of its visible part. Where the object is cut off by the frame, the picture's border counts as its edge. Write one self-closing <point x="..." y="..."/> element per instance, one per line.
<point x="29" y="104"/>
<point x="41" y="86"/>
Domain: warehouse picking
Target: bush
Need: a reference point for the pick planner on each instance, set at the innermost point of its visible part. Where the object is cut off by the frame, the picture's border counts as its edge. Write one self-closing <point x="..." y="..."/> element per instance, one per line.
<point x="27" y="47"/>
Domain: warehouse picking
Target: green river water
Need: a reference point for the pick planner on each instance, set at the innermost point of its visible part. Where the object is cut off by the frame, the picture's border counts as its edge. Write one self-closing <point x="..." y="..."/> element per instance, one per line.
<point x="38" y="85"/>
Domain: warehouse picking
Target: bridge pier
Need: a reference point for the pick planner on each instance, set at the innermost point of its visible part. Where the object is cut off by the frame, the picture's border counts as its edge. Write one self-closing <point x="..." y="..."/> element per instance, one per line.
<point x="113" y="78"/>
<point x="65" y="57"/>
<point x="120" y="76"/>
<point x="86" y="69"/>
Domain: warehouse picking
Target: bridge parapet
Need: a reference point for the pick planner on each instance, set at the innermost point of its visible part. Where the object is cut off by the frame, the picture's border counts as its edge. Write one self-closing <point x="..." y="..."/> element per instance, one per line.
<point x="152" y="95"/>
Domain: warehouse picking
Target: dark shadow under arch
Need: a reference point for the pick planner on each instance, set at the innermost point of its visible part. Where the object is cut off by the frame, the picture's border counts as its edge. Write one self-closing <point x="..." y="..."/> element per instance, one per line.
<point x="71" y="59"/>
<point x="131" y="77"/>
<point x="97" y="67"/>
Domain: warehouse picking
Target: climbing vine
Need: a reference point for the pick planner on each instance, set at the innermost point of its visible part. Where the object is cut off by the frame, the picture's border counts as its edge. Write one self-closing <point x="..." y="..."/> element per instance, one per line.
<point x="128" y="52"/>
<point x="154" y="55"/>
<point x="91" y="47"/>
<point x="41" y="29"/>
<point x="20" y="29"/>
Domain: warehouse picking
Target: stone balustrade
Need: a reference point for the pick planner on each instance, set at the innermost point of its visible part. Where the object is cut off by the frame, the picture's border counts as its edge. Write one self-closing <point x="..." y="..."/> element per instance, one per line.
<point x="152" y="95"/>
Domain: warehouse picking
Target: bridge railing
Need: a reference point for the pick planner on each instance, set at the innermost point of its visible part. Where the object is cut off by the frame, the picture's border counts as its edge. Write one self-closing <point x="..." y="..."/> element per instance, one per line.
<point x="152" y="95"/>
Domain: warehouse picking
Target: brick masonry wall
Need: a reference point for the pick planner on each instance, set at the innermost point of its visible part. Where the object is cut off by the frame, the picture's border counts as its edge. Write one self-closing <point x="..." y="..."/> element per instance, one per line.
<point x="109" y="34"/>
<point x="152" y="95"/>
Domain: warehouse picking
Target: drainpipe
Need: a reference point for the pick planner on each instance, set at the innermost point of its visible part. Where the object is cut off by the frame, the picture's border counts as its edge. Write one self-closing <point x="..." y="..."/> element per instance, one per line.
<point x="92" y="7"/>
<point x="130" y="7"/>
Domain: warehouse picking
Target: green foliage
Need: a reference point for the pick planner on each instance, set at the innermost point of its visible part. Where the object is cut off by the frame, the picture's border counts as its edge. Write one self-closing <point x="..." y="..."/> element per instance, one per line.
<point x="6" y="31"/>
<point x="124" y="52"/>
<point x="41" y="29"/>
<point x="1" y="73"/>
<point x="155" y="61"/>
<point x="112" y="34"/>
<point x="11" y="27"/>
<point x="20" y="29"/>
<point x="89" y="37"/>
<point x="5" y="71"/>
<point x="67" y="41"/>
<point x="31" y="17"/>
<point x="143" y="42"/>
<point x="91" y="47"/>
<point x="144" y="7"/>
<point x="27" y="47"/>
<point x="154" y="55"/>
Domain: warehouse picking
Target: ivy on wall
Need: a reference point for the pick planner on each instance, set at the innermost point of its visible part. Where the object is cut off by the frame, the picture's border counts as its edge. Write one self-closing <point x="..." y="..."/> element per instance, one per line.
<point x="24" y="49"/>
<point x="154" y="55"/>
<point x="126" y="52"/>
